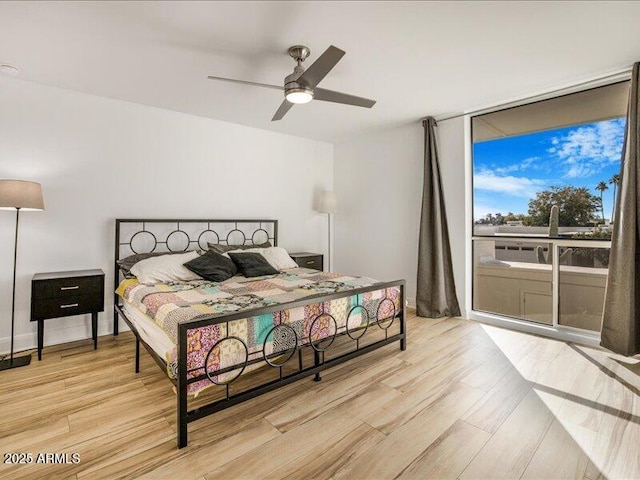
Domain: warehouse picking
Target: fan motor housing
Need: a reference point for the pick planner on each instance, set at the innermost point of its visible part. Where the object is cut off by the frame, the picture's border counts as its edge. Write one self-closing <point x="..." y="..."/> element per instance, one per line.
<point x="292" y="86"/>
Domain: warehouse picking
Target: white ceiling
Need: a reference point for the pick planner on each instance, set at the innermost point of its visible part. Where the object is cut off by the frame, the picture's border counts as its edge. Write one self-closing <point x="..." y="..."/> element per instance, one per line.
<point x="415" y="58"/>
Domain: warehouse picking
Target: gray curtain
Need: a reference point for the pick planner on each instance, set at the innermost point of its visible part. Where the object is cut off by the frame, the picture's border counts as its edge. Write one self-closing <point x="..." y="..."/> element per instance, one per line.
<point x="436" y="296"/>
<point x="621" y="315"/>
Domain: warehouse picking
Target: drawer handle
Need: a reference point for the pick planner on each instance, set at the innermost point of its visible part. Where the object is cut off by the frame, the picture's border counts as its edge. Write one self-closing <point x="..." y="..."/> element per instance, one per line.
<point x="311" y="262"/>
<point x="75" y="287"/>
<point x="71" y="305"/>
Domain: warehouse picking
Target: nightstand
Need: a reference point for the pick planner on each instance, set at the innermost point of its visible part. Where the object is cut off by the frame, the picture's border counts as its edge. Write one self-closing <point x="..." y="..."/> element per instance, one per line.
<point x="63" y="294"/>
<point x="309" y="260"/>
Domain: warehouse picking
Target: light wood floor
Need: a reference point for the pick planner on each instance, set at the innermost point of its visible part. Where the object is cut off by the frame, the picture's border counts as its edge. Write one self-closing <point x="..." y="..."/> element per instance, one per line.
<point x="464" y="401"/>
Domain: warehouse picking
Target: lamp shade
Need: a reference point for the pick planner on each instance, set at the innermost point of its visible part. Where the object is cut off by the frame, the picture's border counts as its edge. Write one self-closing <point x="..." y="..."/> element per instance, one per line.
<point x="20" y="194"/>
<point x="328" y="202"/>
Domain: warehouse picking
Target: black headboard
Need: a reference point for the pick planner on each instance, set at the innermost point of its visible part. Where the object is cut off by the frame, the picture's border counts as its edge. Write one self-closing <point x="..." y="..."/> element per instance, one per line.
<point x="144" y="235"/>
<point x="178" y="235"/>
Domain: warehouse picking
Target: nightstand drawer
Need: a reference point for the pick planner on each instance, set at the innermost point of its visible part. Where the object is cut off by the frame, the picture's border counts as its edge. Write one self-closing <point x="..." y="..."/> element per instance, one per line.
<point x="314" y="262"/>
<point x="67" y="287"/>
<point x="69" y="305"/>
<point x="311" y="262"/>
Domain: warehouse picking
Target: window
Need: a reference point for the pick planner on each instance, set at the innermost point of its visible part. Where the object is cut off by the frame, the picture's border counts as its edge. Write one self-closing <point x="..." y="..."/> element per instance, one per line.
<point x="564" y="151"/>
<point x="545" y="177"/>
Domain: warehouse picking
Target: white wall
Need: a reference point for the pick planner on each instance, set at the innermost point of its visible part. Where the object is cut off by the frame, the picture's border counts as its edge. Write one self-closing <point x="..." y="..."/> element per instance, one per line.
<point x="378" y="180"/>
<point x="99" y="159"/>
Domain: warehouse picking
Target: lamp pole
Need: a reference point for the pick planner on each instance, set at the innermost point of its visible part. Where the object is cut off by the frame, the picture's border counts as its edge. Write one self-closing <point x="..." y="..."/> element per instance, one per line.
<point x="24" y="360"/>
<point x="328" y="204"/>
<point x="329" y="242"/>
<point x="13" y="295"/>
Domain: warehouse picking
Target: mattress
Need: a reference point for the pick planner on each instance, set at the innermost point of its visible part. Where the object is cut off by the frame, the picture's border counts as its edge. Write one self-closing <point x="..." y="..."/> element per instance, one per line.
<point x="149" y="330"/>
<point x="164" y="306"/>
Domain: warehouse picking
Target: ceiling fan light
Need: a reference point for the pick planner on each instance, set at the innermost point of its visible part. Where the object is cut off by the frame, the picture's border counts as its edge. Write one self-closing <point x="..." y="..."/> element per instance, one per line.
<point x="299" y="95"/>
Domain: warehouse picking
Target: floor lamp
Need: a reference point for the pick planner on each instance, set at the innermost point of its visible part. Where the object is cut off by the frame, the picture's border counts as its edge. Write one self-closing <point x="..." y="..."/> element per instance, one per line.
<point x="328" y="204"/>
<point x="18" y="195"/>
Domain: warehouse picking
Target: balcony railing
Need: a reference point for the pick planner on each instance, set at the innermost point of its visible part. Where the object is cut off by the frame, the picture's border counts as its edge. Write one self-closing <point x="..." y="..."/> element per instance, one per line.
<point x="558" y="282"/>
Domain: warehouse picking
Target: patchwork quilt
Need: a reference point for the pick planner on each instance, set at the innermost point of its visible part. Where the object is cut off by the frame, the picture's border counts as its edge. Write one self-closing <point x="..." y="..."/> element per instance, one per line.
<point x="169" y="304"/>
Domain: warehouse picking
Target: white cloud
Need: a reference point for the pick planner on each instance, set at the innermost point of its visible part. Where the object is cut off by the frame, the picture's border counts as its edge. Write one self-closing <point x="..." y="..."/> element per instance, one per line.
<point x="508" y="169"/>
<point x="586" y="150"/>
<point x="579" y="171"/>
<point x="516" y="167"/>
<point x="487" y="180"/>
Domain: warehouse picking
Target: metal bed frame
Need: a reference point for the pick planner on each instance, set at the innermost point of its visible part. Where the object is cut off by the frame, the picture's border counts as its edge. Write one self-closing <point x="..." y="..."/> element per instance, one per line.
<point x="262" y="227"/>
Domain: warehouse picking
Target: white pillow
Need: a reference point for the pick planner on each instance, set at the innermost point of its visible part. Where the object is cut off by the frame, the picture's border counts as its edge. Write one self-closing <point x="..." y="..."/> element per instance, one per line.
<point x="165" y="268"/>
<point x="277" y="257"/>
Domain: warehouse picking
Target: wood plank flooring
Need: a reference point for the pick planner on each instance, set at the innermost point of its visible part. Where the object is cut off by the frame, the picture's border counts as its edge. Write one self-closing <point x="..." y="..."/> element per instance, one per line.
<point x="465" y="401"/>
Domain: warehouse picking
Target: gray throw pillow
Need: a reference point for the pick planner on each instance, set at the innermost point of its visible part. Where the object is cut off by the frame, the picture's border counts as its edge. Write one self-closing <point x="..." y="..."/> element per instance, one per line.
<point x="212" y="266"/>
<point x="216" y="247"/>
<point x="252" y="264"/>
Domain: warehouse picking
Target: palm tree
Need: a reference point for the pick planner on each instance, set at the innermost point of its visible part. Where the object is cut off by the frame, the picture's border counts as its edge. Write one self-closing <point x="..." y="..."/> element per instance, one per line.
<point x="615" y="181"/>
<point x="602" y="187"/>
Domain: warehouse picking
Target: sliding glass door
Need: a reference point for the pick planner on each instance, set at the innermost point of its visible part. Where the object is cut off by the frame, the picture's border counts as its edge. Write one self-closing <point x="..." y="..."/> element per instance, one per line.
<point x="545" y="178"/>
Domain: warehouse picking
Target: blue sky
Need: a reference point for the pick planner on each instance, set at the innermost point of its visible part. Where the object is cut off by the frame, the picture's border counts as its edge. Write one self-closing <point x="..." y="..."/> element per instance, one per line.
<point x="507" y="172"/>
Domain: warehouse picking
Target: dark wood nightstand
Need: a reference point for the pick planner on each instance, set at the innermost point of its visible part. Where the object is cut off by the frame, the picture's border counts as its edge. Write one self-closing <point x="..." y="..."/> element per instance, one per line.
<point x="63" y="294"/>
<point x="309" y="260"/>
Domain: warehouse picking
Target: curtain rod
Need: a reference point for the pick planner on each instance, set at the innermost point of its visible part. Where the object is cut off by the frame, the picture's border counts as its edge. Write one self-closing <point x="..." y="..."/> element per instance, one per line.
<point x="499" y="106"/>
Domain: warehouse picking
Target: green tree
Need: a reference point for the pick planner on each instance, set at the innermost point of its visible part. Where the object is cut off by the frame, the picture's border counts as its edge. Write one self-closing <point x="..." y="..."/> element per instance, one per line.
<point x="602" y="187"/>
<point x="490" y="219"/>
<point x="615" y="181"/>
<point x="512" y="217"/>
<point x="577" y="207"/>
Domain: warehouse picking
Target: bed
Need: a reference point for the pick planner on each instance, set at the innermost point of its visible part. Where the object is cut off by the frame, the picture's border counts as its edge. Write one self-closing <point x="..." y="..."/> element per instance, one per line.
<point x="223" y="343"/>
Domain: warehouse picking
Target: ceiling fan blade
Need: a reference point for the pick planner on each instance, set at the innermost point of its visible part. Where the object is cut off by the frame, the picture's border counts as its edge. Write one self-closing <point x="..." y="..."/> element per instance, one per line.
<point x="282" y="110"/>
<point x="244" y="82"/>
<point x="323" y="65"/>
<point x="338" y="97"/>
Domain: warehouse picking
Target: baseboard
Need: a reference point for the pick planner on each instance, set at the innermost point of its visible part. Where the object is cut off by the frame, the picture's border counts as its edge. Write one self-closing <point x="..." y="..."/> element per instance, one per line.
<point x="57" y="334"/>
<point x="411" y="303"/>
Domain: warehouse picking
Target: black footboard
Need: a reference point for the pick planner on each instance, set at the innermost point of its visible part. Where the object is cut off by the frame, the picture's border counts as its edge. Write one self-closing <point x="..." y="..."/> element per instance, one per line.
<point x="354" y="338"/>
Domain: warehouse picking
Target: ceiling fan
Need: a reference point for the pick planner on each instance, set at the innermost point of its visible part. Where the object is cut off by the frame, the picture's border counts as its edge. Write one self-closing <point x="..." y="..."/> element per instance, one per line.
<point x="301" y="85"/>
